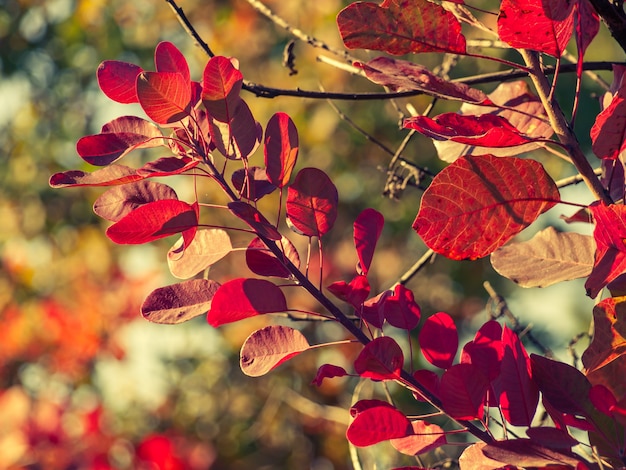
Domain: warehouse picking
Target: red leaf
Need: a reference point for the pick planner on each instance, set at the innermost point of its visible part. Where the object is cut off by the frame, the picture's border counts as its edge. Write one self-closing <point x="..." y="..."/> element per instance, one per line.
<point x="462" y="391"/>
<point x="609" y="234"/>
<point x="167" y="58"/>
<point x="109" y="176"/>
<point x="608" y="133"/>
<point x="377" y="424"/>
<point x="118" y="80"/>
<point x="517" y="393"/>
<point x="328" y="371"/>
<point x="524" y="453"/>
<point x="602" y="398"/>
<point x="221" y="85"/>
<point x="492" y="198"/>
<point x="425" y="437"/>
<point x="400" y="75"/>
<point x="400" y="309"/>
<point x="152" y="221"/>
<point x="551" y="437"/>
<point x="254" y="219"/>
<point x="429" y="380"/>
<point x="244" y="298"/>
<point x="367" y="229"/>
<point x="262" y="261"/>
<point x="372" y="310"/>
<point x="121" y="200"/>
<point x="486" y="130"/>
<point x="281" y="149"/>
<point x="164" y="96"/>
<point x="167" y="166"/>
<point x="179" y="302"/>
<point x="400" y="27"/>
<point x="267" y="348"/>
<point x="208" y="247"/>
<point x="354" y="292"/>
<point x="380" y="359"/>
<point x="238" y="137"/>
<point x="363" y="405"/>
<point x="537" y="25"/>
<point x="118" y="138"/>
<point x="312" y="202"/>
<point x="252" y="184"/>
<point x="439" y="340"/>
<point x="486" y="350"/>
<point x="587" y="25"/>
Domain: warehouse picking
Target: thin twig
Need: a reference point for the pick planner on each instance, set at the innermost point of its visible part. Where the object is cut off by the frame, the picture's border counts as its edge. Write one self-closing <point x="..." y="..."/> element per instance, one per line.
<point x="413" y="270"/>
<point x="575" y="179"/>
<point x="501" y="308"/>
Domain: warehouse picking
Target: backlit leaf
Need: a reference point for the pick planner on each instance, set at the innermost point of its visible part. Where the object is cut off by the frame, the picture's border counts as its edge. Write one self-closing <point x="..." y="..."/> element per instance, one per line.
<point x="586" y="25"/>
<point x="400" y="27"/>
<point x="462" y="390"/>
<point x="167" y="58"/>
<point x="254" y="219"/>
<point x="252" y="184"/>
<point x="121" y="200"/>
<point x="221" y="85"/>
<point x="609" y="234"/>
<point x="179" y="302"/>
<point x="486" y="350"/>
<point x="401" y="75"/>
<point x="539" y="25"/>
<point x="524" y="453"/>
<point x="514" y="96"/>
<point x="376" y="424"/>
<point x="207" y="247"/>
<point x="548" y="258"/>
<point x="493" y="198"/>
<point x="262" y="261"/>
<point x="518" y="395"/>
<point x="552" y="438"/>
<point x="473" y="458"/>
<point x="367" y="229"/>
<point x="380" y="359"/>
<point x="372" y="310"/>
<point x="355" y="292"/>
<point x="608" y="133"/>
<point x="312" y="202"/>
<point x="429" y="380"/>
<point x="118" y="80"/>
<point x="118" y="138"/>
<point x="167" y="166"/>
<point x="328" y="371"/>
<point x="605" y="358"/>
<point x="152" y="221"/>
<point x="281" y="149"/>
<point x="425" y="437"/>
<point x="267" y="348"/>
<point x="108" y="176"/>
<point x="164" y="96"/>
<point x="243" y="298"/>
<point x="439" y="340"/>
<point x="486" y="130"/>
<point x="400" y="309"/>
<point x="238" y="137"/>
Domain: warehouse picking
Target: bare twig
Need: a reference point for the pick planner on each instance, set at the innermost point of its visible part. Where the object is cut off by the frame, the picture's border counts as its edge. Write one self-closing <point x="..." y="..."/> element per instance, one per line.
<point x="575" y="179"/>
<point x="419" y="264"/>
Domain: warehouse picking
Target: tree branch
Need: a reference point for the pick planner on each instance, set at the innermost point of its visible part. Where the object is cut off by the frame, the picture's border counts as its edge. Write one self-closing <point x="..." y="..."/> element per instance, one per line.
<point x="613" y="16"/>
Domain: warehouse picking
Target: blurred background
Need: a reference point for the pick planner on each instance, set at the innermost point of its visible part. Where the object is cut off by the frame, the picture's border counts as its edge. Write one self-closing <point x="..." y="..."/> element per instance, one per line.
<point x="85" y="381"/>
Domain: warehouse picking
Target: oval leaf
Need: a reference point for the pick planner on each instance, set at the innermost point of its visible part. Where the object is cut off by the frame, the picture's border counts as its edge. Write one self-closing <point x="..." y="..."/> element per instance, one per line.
<point x="238" y="137"/>
<point x="491" y="197"/>
<point x="244" y="298"/>
<point x="221" y="85"/>
<point x="312" y="202"/>
<point x="367" y="229"/>
<point x="179" y="302"/>
<point x="548" y="258"/>
<point x="380" y="359"/>
<point x="400" y="27"/>
<point x="376" y="424"/>
<point x="118" y="80"/>
<point x="328" y="371"/>
<point x="262" y="261"/>
<point x="267" y="348"/>
<point x="439" y="340"/>
<point x="281" y="149"/>
<point x="122" y="200"/>
<point x="463" y="388"/>
<point x="400" y="309"/>
<point x="167" y="58"/>
<point x="152" y="221"/>
<point x="207" y="247"/>
<point x="109" y="176"/>
<point x="164" y="96"/>
<point x="425" y="437"/>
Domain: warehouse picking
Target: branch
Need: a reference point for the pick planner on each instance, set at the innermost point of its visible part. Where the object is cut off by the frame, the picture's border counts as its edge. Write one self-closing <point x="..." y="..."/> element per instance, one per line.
<point x="613" y="16"/>
<point x="561" y="127"/>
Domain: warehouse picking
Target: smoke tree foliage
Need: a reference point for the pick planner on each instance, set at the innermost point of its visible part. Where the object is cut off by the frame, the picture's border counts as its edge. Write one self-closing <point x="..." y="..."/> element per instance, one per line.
<point x="491" y="190"/>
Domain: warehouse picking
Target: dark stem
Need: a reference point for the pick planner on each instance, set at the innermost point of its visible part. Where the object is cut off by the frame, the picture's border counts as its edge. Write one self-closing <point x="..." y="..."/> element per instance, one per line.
<point x="613" y="16"/>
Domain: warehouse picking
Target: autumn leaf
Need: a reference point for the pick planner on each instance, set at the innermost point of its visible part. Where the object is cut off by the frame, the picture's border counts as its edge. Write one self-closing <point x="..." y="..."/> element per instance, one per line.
<point x="108" y="176"/>
<point x="121" y="200"/>
<point x="164" y="96"/>
<point x="439" y="340"/>
<point x="179" y="302"/>
<point x="117" y="80"/>
<point x="537" y="25"/>
<point x="262" y="261"/>
<point x="376" y="424"/>
<point x="267" y="348"/>
<point x="207" y="247"/>
<point x="548" y="258"/>
<point x="367" y="229"/>
<point x="493" y="198"/>
<point x="608" y="133"/>
<point x="609" y="234"/>
<point x="380" y="359"/>
<point x="462" y="390"/>
<point x="425" y="437"/>
<point x="281" y="149"/>
<point x="400" y="27"/>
